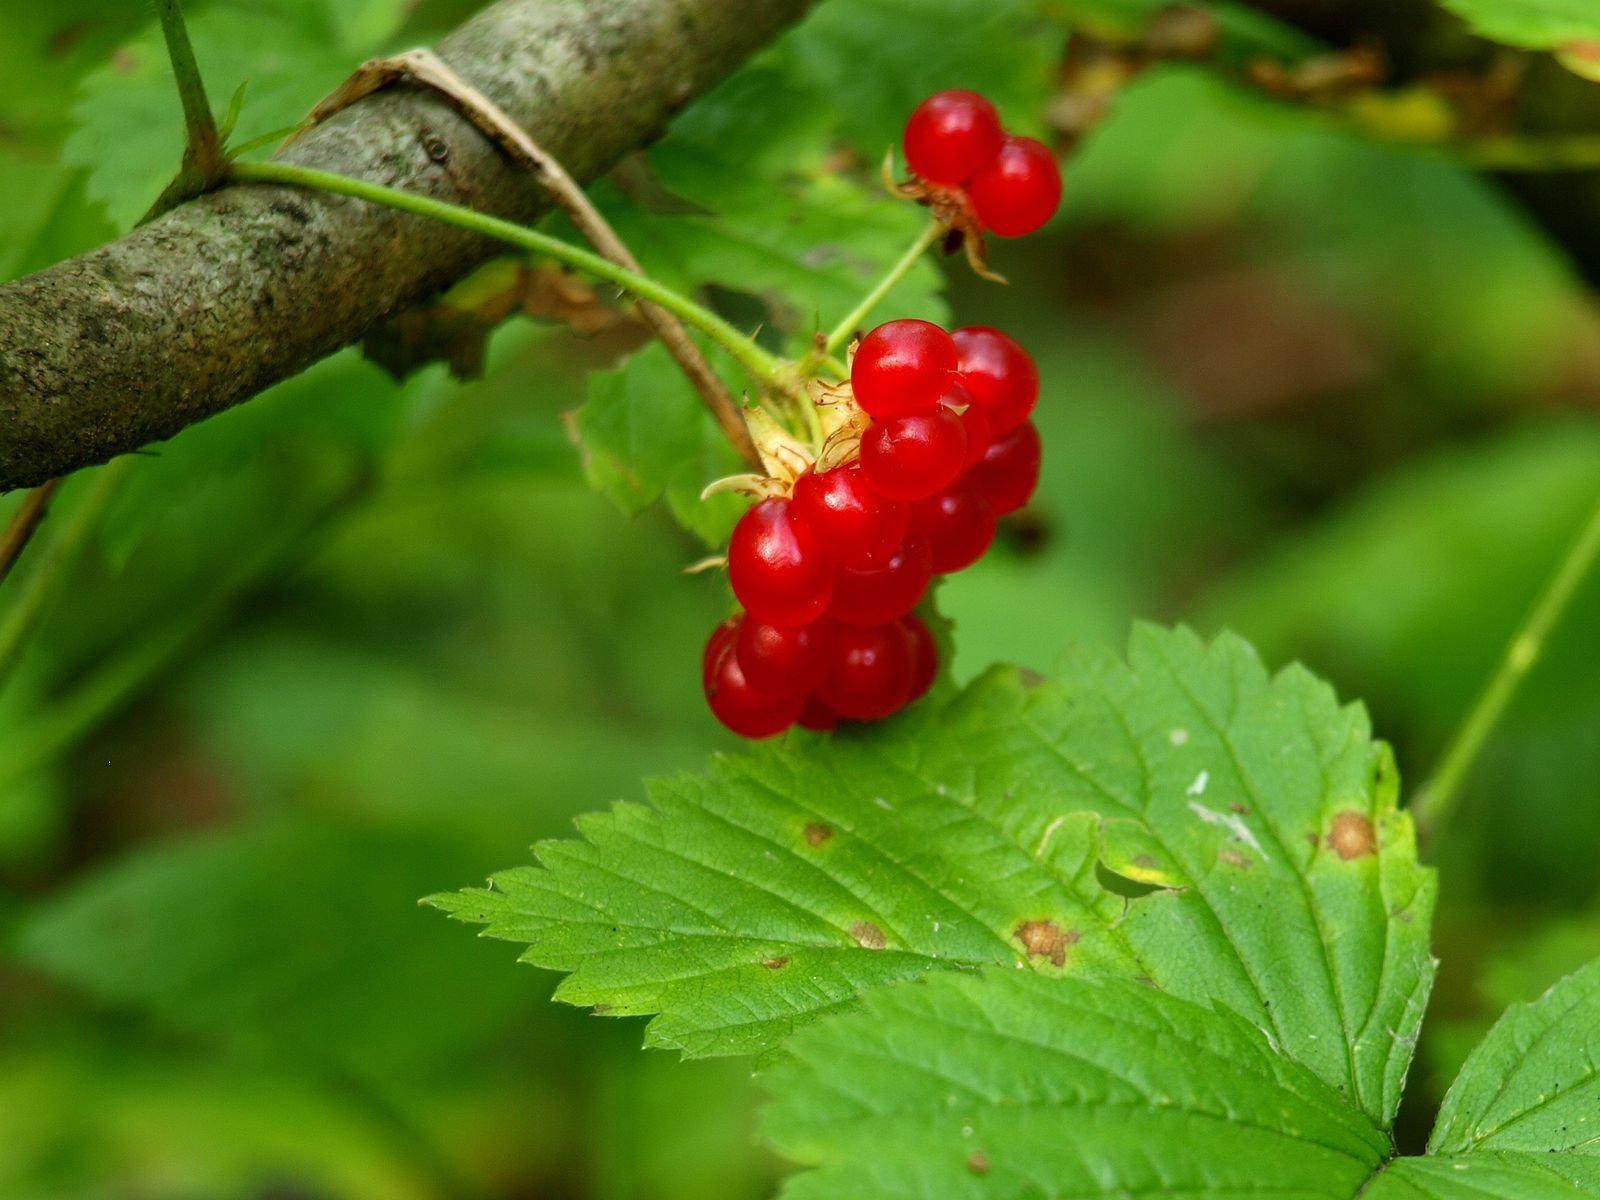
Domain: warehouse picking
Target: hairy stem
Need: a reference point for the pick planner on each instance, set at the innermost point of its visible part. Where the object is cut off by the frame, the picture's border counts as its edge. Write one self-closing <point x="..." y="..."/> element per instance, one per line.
<point x="1438" y="798"/>
<point x="845" y="329"/>
<point x="24" y="524"/>
<point x="771" y="372"/>
<point x="18" y="620"/>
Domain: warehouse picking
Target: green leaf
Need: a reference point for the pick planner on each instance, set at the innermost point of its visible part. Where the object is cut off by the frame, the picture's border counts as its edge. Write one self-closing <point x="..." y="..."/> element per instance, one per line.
<point x="1536" y="24"/>
<point x="787" y="881"/>
<point x="1013" y="1085"/>
<point x="646" y="435"/>
<point x="1533" y="1083"/>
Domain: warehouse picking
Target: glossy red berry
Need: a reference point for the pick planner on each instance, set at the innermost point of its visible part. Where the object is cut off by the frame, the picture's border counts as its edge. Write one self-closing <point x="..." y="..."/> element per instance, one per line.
<point x="817" y="715"/>
<point x="744" y="709"/>
<point x="958" y="524"/>
<point x="975" y="421"/>
<point x="872" y="673"/>
<point x="1017" y="190"/>
<point x="888" y="592"/>
<point x="859" y="528"/>
<point x="785" y="660"/>
<point x="777" y="565"/>
<point x="951" y="134"/>
<point x="1009" y="470"/>
<point x="999" y="374"/>
<point x="721" y="638"/>
<point x="902" y="367"/>
<point x="912" y="457"/>
<point x="924" y="656"/>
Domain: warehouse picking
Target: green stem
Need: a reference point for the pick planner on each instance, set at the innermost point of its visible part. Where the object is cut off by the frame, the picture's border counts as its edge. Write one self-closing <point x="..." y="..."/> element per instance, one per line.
<point x="203" y="161"/>
<point x="843" y="331"/>
<point x="766" y="369"/>
<point x="1438" y="797"/>
<point x="60" y="554"/>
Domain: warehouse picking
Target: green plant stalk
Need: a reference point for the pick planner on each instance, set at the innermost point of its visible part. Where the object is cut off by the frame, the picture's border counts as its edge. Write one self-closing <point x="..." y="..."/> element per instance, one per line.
<point x="771" y="372"/>
<point x="18" y="619"/>
<point x="203" y="161"/>
<point x="841" y="333"/>
<point x="1438" y="797"/>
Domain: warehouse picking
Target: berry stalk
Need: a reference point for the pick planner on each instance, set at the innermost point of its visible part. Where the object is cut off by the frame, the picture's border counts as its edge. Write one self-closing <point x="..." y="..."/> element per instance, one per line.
<point x="843" y="331"/>
<point x="772" y="373"/>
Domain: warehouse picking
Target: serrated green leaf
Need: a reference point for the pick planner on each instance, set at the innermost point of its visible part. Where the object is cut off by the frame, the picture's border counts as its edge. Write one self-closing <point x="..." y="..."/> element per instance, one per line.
<point x="1501" y="1175"/>
<point x="1533" y="1083"/>
<point x="786" y="882"/>
<point x="1536" y="24"/>
<point x="645" y="434"/>
<point x="1014" y="1085"/>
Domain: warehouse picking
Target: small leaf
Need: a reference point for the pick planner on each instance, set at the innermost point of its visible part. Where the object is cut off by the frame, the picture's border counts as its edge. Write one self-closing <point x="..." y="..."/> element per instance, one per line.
<point x="1533" y="1083"/>
<point x="1014" y="1085"/>
<point x="1535" y="24"/>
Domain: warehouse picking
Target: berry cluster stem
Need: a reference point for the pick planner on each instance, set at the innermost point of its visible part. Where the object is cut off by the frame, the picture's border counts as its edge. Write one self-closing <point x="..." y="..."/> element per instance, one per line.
<point x="845" y="329"/>
<point x="1440" y="794"/>
<point x="772" y="373"/>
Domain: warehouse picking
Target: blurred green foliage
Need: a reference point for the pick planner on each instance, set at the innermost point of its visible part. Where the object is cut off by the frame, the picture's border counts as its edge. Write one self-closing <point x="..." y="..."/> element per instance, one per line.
<point x="354" y="641"/>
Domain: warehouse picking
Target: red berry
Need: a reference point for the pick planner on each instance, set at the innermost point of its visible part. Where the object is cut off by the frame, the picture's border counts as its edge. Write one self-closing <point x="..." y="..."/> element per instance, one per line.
<point x="746" y="710"/>
<point x="999" y="374"/>
<point x="958" y="524"/>
<point x="777" y="565"/>
<point x="872" y="673"/>
<point x="858" y="527"/>
<point x="817" y="715"/>
<point x="785" y="660"/>
<point x="890" y="591"/>
<point x="976" y="422"/>
<point x="1009" y="470"/>
<point x="902" y="367"/>
<point x="925" y="655"/>
<point x="721" y="637"/>
<point x="912" y="457"/>
<point x="1017" y="190"/>
<point x="951" y="134"/>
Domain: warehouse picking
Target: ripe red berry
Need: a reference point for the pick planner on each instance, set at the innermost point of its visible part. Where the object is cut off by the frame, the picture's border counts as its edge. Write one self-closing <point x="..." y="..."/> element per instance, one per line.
<point x="1017" y="190"/>
<point x="744" y="709"/>
<point x="975" y="421"/>
<point x="924" y="656"/>
<point x="902" y="367"/>
<point x="721" y="637"/>
<point x="872" y="673"/>
<point x="890" y="591"/>
<point x="859" y="528"/>
<point x="951" y="134"/>
<point x="912" y="457"/>
<point x="1009" y="470"/>
<point x="777" y="566"/>
<point x="784" y="660"/>
<point x="999" y="374"/>
<point x="817" y="715"/>
<point x="958" y="524"/>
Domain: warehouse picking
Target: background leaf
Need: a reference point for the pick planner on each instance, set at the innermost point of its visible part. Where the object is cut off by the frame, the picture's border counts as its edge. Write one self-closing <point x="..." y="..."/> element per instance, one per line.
<point x="1536" y="24"/>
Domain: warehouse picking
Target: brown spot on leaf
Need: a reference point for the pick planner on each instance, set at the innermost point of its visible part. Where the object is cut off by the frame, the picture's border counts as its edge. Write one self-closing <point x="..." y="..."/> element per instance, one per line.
<point x="1030" y="678"/>
<point x="600" y="1010"/>
<point x="817" y="833"/>
<point x="1148" y="861"/>
<point x="776" y="963"/>
<point x="1045" y="939"/>
<point x="868" y="935"/>
<point x="1352" y="835"/>
<point x="1234" y="858"/>
<point x="1237" y="807"/>
<point x="978" y="1162"/>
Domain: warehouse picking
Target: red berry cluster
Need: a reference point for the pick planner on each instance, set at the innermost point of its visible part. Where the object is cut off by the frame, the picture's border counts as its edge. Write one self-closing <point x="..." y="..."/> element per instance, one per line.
<point x="954" y="139"/>
<point x="829" y="574"/>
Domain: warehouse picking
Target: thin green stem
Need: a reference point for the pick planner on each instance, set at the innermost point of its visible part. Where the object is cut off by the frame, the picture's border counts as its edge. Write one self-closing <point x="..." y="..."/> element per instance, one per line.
<point x="60" y="553"/>
<point x="1439" y="796"/>
<point x="203" y="160"/>
<point x="771" y="372"/>
<point x="842" y="332"/>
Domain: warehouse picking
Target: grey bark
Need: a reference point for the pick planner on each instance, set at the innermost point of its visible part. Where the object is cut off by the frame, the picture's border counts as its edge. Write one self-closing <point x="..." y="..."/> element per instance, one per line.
<point x="226" y="295"/>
